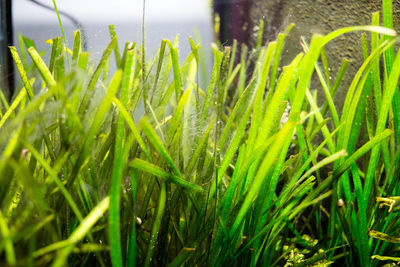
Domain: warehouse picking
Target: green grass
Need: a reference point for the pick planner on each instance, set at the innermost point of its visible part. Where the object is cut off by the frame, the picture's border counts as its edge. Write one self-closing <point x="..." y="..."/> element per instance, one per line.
<point x="145" y="167"/>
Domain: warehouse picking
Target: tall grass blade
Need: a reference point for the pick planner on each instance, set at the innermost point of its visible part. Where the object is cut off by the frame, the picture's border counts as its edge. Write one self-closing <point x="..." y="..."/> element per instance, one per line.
<point x="84" y="227"/>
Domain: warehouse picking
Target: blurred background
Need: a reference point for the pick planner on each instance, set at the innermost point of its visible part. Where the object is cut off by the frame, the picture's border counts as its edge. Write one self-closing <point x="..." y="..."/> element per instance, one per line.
<point x="36" y="20"/>
<point x="163" y="19"/>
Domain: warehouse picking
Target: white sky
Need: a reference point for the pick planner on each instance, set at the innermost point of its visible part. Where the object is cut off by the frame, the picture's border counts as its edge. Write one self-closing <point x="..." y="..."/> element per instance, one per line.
<point x="115" y="10"/>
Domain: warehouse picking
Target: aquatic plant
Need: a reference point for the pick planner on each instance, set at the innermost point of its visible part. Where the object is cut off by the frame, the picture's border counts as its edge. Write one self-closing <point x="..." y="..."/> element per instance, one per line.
<point x="148" y="168"/>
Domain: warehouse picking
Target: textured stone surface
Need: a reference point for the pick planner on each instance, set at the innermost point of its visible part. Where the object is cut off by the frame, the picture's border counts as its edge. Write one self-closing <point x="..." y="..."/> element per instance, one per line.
<point x="315" y="16"/>
<point x="319" y="16"/>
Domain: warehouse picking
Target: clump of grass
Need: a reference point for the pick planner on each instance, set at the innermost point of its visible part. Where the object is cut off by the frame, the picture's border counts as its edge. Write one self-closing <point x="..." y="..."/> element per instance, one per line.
<point x="147" y="168"/>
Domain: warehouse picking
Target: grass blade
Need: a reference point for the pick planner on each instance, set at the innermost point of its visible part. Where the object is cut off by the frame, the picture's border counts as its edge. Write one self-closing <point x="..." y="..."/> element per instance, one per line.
<point x="42" y="67"/>
<point x="95" y="77"/>
<point x="156" y="225"/>
<point x="80" y="232"/>
<point x="95" y="126"/>
<point x="118" y="167"/>
<point x="158" y="172"/>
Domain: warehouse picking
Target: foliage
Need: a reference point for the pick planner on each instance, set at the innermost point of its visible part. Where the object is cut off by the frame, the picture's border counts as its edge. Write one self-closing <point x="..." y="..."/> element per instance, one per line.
<point x="147" y="168"/>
